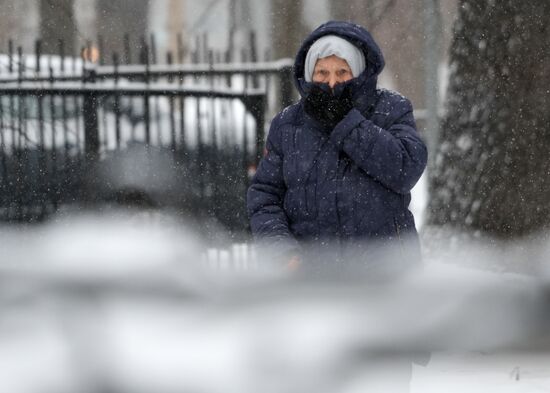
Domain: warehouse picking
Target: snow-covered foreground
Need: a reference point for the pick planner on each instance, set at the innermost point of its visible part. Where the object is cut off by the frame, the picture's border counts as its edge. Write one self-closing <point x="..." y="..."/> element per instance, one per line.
<point x="478" y="372"/>
<point x="128" y="302"/>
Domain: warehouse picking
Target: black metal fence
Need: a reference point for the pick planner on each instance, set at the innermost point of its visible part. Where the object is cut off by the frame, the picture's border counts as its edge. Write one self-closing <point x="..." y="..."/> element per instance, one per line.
<point x="186" y="136"/>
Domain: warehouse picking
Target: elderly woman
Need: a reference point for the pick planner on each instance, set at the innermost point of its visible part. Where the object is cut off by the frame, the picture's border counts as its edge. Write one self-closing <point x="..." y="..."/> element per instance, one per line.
<point x="333" y="189"/>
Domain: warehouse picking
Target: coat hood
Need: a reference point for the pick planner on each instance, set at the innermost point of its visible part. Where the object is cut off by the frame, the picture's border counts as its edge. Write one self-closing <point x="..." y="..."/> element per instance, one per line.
<point x="358" y="36"/>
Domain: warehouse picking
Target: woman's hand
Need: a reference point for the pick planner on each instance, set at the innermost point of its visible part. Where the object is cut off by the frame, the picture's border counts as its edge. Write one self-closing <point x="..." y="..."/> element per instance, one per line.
<point x="293" y="264"/>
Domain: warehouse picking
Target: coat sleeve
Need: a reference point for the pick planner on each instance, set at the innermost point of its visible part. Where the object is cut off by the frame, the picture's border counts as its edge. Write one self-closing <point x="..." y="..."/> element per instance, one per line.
<point x="395" y="156"/>
<point x="268" y="220"/>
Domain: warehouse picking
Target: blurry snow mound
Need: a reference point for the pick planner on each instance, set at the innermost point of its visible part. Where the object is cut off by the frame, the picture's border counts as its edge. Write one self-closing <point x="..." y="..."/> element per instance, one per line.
<point x="529" y="255"/>
<point x="124" y="304"/>
<point x="110" y="243"/>
<point x="280" y="335"/>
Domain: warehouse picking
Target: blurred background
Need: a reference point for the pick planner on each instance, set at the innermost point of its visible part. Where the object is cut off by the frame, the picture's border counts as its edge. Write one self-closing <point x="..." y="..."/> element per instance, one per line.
<point x="279" y="27"/>
<point x="215" y="139"/>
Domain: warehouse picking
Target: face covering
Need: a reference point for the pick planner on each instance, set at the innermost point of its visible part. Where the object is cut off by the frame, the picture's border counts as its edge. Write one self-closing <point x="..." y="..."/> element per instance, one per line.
<point x="326" y="106"/>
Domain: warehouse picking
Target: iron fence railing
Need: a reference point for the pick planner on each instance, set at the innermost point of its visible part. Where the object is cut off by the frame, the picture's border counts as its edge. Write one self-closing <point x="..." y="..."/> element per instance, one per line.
<point x="55" y="135"/>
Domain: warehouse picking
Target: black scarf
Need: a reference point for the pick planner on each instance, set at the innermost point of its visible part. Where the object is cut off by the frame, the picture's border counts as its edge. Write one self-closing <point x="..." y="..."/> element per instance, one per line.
<point x="328" y="106"/>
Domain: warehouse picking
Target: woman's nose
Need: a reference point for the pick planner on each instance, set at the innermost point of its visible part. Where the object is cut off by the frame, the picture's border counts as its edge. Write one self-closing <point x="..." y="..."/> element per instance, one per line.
<point x="333" y="80"/>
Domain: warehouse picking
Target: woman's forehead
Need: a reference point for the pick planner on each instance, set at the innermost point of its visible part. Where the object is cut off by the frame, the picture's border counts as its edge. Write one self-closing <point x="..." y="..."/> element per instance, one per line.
<point x="332" y="61"/>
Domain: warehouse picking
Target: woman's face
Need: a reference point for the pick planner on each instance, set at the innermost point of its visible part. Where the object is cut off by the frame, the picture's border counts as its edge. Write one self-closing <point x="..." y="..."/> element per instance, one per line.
<point x="331" y="70"/>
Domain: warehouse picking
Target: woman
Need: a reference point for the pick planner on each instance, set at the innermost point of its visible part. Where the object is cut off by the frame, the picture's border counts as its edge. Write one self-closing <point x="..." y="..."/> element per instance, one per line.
<point x="333" y="189"/>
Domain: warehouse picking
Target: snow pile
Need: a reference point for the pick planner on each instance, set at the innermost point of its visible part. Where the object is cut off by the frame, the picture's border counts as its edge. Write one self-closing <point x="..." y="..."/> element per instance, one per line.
<point x="127" y="302"/>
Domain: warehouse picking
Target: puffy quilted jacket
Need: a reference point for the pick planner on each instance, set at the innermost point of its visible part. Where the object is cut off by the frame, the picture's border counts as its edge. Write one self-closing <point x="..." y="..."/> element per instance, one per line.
<point x="347" y="185"/>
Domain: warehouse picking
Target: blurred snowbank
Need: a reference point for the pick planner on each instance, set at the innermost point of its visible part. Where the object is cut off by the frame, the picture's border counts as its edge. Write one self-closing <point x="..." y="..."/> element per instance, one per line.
<point x="528" y="256"/>
<point x="128" y="302"/>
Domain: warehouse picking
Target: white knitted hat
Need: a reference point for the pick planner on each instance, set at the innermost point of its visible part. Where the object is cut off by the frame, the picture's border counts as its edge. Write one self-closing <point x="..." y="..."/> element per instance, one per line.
<point x="329" y="45"/>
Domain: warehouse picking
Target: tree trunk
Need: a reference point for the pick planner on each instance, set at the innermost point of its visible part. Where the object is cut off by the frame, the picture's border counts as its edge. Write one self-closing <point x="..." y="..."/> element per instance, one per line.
<point x="57" y="22"/>
<point x="288" y="30"/>
<point x="492" y="170"/>
<point x="367" y="13"/>
<point x="117" y="18"/>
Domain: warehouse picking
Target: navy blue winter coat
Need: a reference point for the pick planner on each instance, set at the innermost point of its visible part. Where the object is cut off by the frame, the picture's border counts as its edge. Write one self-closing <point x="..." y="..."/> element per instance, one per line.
<point x="348" y="185"/>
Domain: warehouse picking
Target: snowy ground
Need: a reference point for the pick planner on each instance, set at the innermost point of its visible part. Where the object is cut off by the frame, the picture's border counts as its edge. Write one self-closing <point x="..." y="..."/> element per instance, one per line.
<point x="475" y="372"/>
<point x="482" y="371"/>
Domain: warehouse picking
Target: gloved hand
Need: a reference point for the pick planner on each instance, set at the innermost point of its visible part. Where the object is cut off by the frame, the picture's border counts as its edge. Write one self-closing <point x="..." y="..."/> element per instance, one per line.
<point x="324" y="106"/>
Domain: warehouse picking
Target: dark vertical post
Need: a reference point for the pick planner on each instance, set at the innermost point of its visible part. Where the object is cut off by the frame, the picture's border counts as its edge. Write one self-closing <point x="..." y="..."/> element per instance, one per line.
<point x="83" y="64"/>
<point x="226" y="108"/>
<point x="268" y="76"/>
<point x="21" y="103"/>
<point x="19" y="173"/>
<point x="181" y="49"/>
<point x="10" y="56"/>
<point x="146" y="107"/>
<point x="244" y="121"/>
<point x="65" y="126"/>
<point x="12" y="101"/>
<point x="153" y="48"/>
<point x="61" y="48"/>
<point x="233" y="10"/>
<point x="117" y="101"/>
<point x="169" y="61"/>
<point x="229" y="54"/>
<point x="285" y="83"/>
<point x="211" y="83"/>
<point x="79" y="103"/>
<point x="214" y="156"/>
<point x="61" y="51"/>
<point x="91" y="129"/>
<point x="253" y="57"/>
<point x="74" y="65"/>
<point x="88" y="52"/>
<point x="53" y="190"/>
<point x="37" y="54"/>
<point x="197" y="50"/>
<point x="50" y="67"/>
<point x="127" y="50"/>
<point x="4" y="180"/>
<point x="143" y="53"/>
<point x="182" y="115"/>
<point x="101" y="48"/>
<point x="20" y="65"/>
<point x="199" y="156"/>
<point x="258" y="111"/>
<point x="157" y="122"/>
<point x="205" y="48"/>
